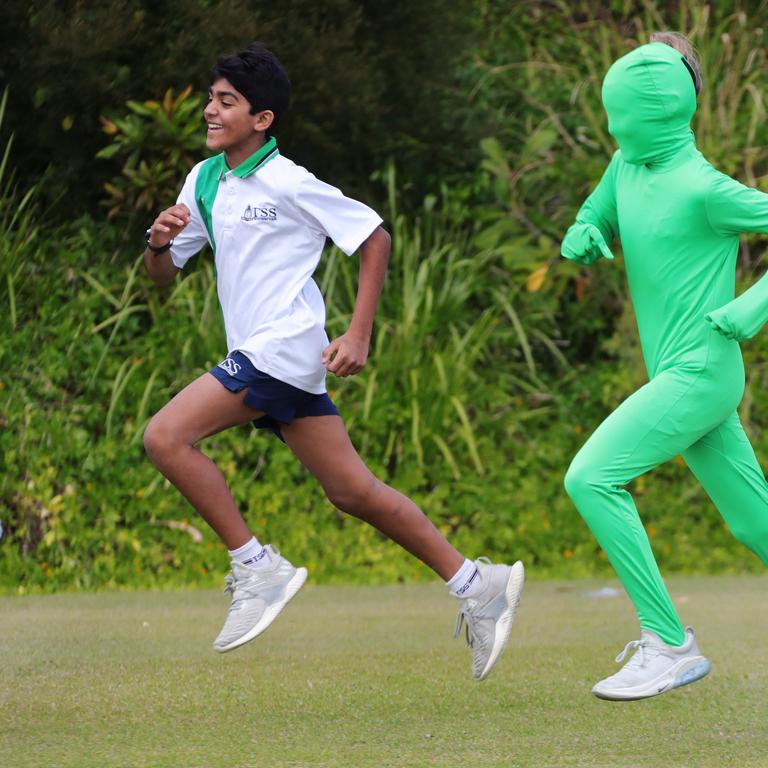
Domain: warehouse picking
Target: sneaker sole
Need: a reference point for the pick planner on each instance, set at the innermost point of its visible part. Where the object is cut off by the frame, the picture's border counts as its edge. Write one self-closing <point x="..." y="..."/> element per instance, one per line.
<point x="683" y="673"/>
<point x="271" y="613"/>
<point x="504" y="625"/>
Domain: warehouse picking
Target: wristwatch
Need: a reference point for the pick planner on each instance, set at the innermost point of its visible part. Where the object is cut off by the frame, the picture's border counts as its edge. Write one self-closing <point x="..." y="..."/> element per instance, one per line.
<point x="157" y="249"/>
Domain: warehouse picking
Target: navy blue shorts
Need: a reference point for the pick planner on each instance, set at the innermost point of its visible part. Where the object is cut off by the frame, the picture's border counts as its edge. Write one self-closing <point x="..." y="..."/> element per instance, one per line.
<point x="280" y="402"/>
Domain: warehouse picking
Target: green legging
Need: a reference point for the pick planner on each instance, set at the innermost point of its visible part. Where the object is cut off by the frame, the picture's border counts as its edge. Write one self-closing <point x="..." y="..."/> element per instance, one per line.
<point x="675" y="413"/>
<point x="679" y="221"/>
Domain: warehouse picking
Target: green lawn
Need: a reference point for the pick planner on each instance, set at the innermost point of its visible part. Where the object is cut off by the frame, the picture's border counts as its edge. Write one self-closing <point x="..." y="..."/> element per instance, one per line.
<point x="369" y="676"/>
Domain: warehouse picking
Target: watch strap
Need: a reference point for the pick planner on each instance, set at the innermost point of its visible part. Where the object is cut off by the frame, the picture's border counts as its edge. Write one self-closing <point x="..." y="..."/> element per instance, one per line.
<point x="156" y="249"/>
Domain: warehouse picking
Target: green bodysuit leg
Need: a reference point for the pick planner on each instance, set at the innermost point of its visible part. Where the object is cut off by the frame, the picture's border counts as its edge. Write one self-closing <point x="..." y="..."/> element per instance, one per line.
<point x="667" y="416"/>
<point x="725" y="464"/>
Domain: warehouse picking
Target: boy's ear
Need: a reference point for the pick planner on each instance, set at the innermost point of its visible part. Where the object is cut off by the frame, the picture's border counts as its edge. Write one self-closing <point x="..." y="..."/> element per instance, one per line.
<point x="263" y="120"/>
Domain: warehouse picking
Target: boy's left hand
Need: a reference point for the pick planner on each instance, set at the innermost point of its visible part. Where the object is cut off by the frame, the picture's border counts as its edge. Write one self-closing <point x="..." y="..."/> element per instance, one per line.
<point x="346" y="355"/>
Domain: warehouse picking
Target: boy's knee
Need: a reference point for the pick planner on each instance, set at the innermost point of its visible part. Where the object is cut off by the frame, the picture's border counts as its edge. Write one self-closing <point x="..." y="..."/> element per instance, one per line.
<point x="354" y="498"/>
<point x="157" y="440"/>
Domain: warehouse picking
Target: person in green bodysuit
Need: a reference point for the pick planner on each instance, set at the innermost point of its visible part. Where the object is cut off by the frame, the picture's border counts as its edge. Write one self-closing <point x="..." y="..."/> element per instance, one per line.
<point x="679" y="221"/>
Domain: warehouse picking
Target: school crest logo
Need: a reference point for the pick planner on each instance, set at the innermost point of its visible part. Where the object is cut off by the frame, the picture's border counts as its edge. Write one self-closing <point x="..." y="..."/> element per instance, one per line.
<point x="260" y="212"/>
<point x="230" y="366"/>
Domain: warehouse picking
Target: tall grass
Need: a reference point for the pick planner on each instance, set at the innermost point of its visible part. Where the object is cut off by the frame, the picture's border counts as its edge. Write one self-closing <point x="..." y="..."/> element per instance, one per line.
<point x="439" y="325"/>
<point x="18" y="226"/>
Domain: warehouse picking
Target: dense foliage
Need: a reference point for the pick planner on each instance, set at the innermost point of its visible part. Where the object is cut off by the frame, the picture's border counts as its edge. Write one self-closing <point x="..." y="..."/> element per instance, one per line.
<point x="492" y="361"/>
<point x="370" y="77"/>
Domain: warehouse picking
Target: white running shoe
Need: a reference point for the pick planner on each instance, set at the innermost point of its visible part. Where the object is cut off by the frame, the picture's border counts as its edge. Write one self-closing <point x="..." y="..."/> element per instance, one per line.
<point x="258" y="596"/>
<point x="654" y="668"/>
<point x="489" y="615"/>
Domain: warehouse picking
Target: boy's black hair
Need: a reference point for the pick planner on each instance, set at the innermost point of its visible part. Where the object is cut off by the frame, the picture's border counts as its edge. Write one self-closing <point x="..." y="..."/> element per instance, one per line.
<point x="258" y="74"/>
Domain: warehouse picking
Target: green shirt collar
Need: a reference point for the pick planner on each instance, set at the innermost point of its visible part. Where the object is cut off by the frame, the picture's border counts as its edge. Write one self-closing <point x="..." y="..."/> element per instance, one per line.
<point x="256" y="161"/>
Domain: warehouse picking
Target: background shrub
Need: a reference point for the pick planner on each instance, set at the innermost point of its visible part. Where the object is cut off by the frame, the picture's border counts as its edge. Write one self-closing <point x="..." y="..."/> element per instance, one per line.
<point x="362" y="72"/>
<point x="492" y="360"/>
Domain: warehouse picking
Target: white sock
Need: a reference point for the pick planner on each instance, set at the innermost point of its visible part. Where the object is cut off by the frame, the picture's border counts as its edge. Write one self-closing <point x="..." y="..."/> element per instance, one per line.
<point x="252" y="554"/>
<point x="466" y="581"/>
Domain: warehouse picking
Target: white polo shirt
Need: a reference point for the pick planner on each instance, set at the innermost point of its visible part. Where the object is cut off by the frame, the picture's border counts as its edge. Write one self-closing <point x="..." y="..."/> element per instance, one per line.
<point x="267" y="221"/>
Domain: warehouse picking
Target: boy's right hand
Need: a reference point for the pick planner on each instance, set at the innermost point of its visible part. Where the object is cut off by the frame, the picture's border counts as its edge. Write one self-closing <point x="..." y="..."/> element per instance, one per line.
<point x="168" y="224"/>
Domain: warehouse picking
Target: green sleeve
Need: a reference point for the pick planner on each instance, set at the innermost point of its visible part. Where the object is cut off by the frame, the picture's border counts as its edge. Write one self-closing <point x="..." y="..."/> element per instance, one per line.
<point x="596" y="222"/>
<point x="732" y="209"/>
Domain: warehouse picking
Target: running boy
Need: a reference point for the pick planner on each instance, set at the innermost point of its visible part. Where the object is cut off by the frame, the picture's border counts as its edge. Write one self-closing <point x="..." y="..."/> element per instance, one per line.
<point x="266" y="220"/>
<point x="679" y="222"/>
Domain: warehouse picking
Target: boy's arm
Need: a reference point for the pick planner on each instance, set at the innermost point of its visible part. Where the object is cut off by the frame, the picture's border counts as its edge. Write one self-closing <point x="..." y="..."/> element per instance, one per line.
<point x="733" y="208"/>
<point x="347" y="354"/>
<point x="352" y="226"/>
<point x="165" y="228"/>
<point x="596" y="223"/>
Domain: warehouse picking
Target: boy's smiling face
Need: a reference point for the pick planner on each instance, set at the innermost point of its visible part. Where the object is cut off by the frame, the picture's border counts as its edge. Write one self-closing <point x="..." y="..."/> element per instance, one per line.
<point x="231" y="126"/>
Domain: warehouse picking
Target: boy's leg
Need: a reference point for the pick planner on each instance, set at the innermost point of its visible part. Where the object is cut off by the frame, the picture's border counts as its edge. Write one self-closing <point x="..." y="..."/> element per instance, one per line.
<point x="490" y="593"/>
<point x="323" y="446"/>
<point x="725" y="464"/>
<point x="201" y="409"/>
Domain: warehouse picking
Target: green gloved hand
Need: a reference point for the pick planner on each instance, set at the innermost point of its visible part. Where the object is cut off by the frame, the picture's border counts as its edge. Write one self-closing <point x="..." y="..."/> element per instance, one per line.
<point x="585" y="244"/>
<point x="743" y="317"/>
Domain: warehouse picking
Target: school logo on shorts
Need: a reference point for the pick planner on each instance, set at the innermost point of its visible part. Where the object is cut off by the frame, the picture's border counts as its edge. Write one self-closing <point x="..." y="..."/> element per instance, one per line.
<point x="260" y="212"/>
<point x="230" y="366"/>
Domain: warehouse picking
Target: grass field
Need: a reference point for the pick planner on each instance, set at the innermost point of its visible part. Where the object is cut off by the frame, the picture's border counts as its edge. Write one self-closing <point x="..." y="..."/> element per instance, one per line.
<point x="369" y="676"/>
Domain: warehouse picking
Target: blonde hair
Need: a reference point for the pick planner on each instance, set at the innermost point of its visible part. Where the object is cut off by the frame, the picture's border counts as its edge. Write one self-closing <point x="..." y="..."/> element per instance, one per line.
<point x="684" y="46"/>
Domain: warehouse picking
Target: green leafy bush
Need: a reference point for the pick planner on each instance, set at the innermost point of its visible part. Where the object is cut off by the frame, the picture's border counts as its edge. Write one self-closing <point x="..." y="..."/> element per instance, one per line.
<point x="158" y="142"/>
<point x="472" y="436"/>
<point x="492" y="359"/>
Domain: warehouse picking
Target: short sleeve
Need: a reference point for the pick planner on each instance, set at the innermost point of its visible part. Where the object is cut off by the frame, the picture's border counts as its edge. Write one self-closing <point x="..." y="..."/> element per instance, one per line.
<point x="733" y="208"/>
<point x="346" y="221"/>
<point x="193" y="238"/>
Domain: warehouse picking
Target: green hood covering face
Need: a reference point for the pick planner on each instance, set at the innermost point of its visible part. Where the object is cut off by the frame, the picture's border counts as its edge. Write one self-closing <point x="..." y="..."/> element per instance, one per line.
<point x="650" y="98"/>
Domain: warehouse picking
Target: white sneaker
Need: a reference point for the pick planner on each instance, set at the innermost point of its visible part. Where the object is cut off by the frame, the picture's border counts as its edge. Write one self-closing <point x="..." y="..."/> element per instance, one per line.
<point x="258" y="596"/>
<point x="489" y="615"/>
<point x="654" y="668"/>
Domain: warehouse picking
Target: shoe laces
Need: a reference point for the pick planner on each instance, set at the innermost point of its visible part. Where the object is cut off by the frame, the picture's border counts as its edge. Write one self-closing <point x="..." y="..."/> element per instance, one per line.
<point x="645" y="651"/>
<point x="249" y="587"/>
<point x="466" y="614"/>
<point x="474" y="640"/>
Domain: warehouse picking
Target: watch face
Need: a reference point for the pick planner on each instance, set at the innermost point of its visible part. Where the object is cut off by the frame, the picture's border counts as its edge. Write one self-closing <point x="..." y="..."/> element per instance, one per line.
<point x="147" y="234"/>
